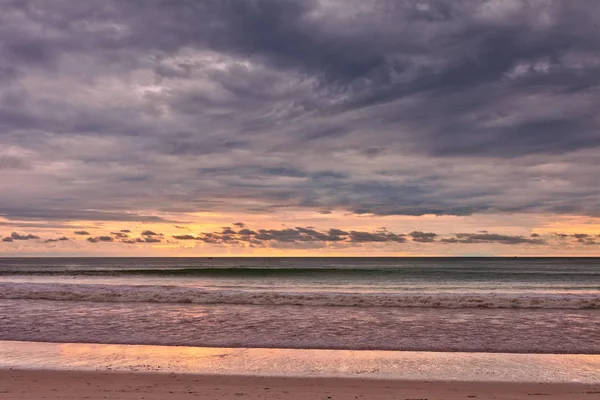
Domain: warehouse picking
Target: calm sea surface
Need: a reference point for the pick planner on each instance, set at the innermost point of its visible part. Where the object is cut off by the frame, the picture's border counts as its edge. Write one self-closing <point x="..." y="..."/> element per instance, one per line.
<point x="520" y="305"/>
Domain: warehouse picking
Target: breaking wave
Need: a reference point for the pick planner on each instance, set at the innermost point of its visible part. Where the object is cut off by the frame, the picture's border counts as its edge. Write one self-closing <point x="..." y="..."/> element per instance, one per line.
<point x="174" y="294"/>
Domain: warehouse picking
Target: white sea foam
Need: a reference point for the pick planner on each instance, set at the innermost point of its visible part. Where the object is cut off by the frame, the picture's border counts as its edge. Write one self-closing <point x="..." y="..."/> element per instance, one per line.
<point x="173" y="294"/>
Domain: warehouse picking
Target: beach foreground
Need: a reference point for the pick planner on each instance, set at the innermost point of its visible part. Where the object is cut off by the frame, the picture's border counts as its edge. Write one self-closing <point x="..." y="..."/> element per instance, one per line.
<point x="70" y="371"/>
<point x="71" y="385"/>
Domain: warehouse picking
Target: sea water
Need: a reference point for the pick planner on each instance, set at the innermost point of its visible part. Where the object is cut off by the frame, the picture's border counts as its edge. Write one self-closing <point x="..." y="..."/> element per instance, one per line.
<point x="511" y="305"/>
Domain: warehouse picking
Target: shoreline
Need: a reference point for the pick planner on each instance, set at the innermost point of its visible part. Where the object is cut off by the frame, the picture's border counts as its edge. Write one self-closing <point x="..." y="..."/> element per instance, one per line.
<point x="72" y="385"/>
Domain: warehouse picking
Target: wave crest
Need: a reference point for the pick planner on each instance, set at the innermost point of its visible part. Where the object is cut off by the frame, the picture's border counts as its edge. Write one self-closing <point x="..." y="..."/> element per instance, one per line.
<point x="172" y="294"/>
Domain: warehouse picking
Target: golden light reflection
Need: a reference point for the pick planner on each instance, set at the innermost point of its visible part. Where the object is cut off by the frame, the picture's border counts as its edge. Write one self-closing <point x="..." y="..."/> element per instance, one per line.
<point x="196" y="224"/>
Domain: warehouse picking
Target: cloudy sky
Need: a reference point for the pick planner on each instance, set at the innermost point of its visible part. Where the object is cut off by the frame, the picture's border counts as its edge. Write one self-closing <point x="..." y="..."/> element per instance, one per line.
<point x="299" y="127"/>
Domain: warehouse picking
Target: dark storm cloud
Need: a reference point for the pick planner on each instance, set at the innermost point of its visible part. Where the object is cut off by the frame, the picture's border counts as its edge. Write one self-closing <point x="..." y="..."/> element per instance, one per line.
<point x="376" y="107"/>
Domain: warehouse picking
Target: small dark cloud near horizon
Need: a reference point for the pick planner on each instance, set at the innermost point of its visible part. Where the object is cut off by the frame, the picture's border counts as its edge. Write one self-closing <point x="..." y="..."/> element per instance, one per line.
<point x="120" y="235"/>
<point x="27" y="236"/>
<point x="146" y="236"/>
<point x="479" y="238"/>
<point x="308" y="235"/>
<point x="99" y="239"/>
<point x="60" y="239"/>
<point x="150" y="233"/>
<point x="228" y="231"/>
<point x="81" y="233"/>
<point x="148" y="239"/>
<point x="423" y="237"/>
<point x="184" y="237"/>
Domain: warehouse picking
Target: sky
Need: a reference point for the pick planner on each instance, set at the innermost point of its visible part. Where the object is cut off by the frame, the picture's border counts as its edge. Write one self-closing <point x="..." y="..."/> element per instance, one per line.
<point x="299" y="128"/>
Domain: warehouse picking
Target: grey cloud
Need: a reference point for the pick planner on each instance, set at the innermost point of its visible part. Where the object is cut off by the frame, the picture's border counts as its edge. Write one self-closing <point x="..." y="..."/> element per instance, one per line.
<point x="372" y="151"/>
<point x="141" y="240"/>
<point x="227" y="231"/>
<point x="378" y="107"/>
<point x="246" y="231"/>
<point x="150" y="233"/>
<point x="294" y="236"/>
<point x="12" y="162"/>
<point x="119" y="235"/>
<point x="98" y="239"/>
<point x="580" y="235"/>
<point x="81" y="233"/>
<point x="576" y="238"/>
<point x="17" y="236"/>
<point x="7" y="239"/>
<point x="477" y="238"/>
<point x="423" y="237"/>
<point x="60" y="239"/>
<point x="307" y="235"/>
<point x="58" y="214"/>
<point x="184" y="237"/>
<point x="148" y="239"/>
<point x="39" y="224"/>
<point x="365" y="237"/>
<point x="337" y="232"/>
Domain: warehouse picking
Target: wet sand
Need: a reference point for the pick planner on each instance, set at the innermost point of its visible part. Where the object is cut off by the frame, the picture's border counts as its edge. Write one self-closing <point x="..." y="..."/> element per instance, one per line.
<point x="69" y="385"/>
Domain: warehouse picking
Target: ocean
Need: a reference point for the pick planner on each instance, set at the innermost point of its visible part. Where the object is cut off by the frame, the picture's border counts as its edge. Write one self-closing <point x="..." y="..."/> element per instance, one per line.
<point x="509" y="305"/>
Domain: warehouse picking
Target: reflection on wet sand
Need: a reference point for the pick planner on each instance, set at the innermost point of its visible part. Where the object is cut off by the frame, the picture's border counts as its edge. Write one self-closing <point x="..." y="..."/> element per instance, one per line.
<point x="303" y="363"/>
